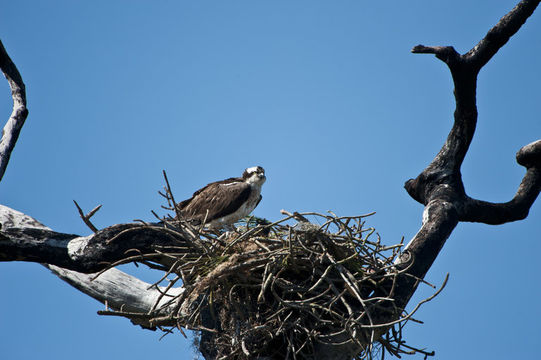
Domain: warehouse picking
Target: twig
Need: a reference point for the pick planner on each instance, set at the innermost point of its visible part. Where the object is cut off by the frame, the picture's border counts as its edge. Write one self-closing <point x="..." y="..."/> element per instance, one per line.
<point x="86" y="218"/>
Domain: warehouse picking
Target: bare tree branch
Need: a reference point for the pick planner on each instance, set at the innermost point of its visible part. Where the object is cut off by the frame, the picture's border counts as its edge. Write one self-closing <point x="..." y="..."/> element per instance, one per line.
<point x="86" y="218"/>
<point x="500" y="34"/>
<point x="13" y="127"/>
<point x="439" y="187"/>
<point x="83" y="254"/>
<point x="117" y="289"/>
<point x="442" y="178"/>
<point x="517" y="208"/>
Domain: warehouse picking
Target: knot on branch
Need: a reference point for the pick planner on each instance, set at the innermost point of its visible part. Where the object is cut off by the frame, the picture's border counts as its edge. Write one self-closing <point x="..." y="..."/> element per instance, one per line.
<point x="447" y="54"/>
<point x="530" y="155"/>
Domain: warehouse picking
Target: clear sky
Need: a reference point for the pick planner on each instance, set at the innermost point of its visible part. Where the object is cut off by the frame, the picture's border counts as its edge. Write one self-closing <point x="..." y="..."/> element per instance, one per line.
<point x="325" y="95"/>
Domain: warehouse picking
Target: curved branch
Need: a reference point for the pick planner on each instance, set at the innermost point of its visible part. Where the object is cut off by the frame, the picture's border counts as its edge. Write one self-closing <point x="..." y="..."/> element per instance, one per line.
<point x="440" y="185"/>
<point x="519" y="206"/>
<point x="36" y="243"/>
<point x="13" y="127"/>
<point x="445" y="168"/>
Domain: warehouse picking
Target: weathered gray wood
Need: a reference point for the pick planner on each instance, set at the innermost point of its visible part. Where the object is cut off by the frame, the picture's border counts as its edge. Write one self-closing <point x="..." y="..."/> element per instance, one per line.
<point x="13" y="126"/>
<point x="115" y="288"/>
<point x="119" y="290"/>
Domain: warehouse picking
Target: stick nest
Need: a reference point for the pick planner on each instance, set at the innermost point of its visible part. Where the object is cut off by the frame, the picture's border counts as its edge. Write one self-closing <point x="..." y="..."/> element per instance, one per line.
<point x="284" y="290"/>
<point x="279" y="291"/>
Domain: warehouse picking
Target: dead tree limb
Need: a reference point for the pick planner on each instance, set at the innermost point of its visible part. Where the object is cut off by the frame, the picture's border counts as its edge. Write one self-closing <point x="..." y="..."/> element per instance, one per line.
<point x="13" y="127"/>
<point x="21" y="239"/>
<point x="439" y="187"/>
<point x="116" y="289"/>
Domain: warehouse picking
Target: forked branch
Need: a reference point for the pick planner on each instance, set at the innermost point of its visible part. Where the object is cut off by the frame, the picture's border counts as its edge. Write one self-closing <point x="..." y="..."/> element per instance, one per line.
<point x="442" y="178"/>
<point x="439" y="187"/>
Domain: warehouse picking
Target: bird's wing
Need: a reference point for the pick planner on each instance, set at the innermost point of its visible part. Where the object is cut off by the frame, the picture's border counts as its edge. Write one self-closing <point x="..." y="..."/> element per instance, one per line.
<point x="184" y="203"/>
<point x="220" y="199"/>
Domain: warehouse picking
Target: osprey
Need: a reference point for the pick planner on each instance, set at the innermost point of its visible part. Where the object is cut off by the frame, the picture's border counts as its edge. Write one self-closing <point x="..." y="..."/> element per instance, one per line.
<point x="225" y="202"/>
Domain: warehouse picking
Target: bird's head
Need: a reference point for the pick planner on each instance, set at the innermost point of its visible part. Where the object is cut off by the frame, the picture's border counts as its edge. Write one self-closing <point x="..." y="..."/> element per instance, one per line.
<point x="254" y="175"/>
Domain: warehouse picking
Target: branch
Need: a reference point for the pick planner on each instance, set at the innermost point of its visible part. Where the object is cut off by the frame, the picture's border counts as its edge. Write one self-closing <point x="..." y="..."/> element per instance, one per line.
<point x="439" y="220"/>
<point x="493" y="41"/>
<point x="501" y="33"/>
<point x="13" y="127"/>
<point x="117" y="289"/>
<point x="445" y="168"/>
<point x="86" y="218"/>
<point x="439" y="187"/>
<point x="518" y="208"/>
<point x="24" y="239"/>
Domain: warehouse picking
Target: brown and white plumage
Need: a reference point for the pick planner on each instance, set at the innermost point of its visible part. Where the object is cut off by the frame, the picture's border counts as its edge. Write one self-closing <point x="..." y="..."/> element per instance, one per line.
<point x="225" y="202"/>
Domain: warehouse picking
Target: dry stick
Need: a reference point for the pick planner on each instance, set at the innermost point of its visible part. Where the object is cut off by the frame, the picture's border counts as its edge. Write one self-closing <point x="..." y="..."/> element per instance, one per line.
<point x="203" y="223"/>
<point x="172" y="234"/>
<point x="167" y="331"/>
<point x="162" y="294"/>
<point x="353" y="286"/>
<point x="129" y="315"/>
<point x="129" y="259"/>
<point x="156" y="216"/>
<point x="170" y="193"/>
<point x="86" y="218"/>
<point x="264" y="284"/>
<point x="123" y="232"/>
<point x="154" y="266"/>
<point x="408" y="317"/>
<point x="184" y="225"/>
<point x="171" y="269"/>
<point x="432" y="353"/>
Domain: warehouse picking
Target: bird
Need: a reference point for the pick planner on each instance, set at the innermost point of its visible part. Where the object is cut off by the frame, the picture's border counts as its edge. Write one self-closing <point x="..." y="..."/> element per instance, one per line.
<point x="222" y="203"/>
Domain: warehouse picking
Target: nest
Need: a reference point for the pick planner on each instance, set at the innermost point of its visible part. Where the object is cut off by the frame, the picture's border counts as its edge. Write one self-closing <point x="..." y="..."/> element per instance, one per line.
<point x="284" y="290"/>
<point x="281" y="291"/>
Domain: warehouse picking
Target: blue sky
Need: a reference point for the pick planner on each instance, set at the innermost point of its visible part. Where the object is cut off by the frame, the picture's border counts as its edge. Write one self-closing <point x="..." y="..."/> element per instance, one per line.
<point x="324" y="94"/>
